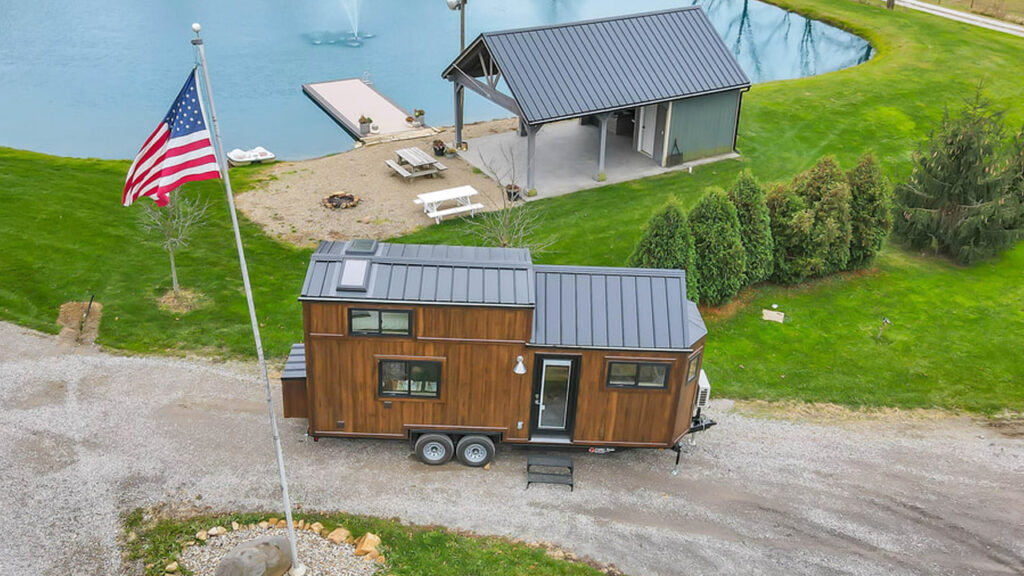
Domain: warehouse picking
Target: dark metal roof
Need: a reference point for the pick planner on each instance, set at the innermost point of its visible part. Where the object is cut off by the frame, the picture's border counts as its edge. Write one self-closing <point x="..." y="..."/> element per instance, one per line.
<point x="574" y="69"/>
<point x="462" y="275"/>
<point x="295" y="366"/>
<point x="627" y="308"/>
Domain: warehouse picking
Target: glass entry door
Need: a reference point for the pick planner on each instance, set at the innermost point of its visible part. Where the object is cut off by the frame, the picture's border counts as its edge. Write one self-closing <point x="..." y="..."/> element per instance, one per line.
<point x="553" y="396"/>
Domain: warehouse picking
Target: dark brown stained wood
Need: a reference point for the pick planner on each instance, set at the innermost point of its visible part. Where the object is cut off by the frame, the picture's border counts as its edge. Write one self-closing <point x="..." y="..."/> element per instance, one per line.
<point x="293" y="392"/>
<point x="689" y="396"/>
<point x="479" y="390"/>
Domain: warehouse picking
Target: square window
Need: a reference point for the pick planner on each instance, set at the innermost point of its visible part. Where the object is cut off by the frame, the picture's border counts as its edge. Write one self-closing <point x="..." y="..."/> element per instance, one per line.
<point x="365" y="321"/>
<point x="653" y="375"/>
<point x="621" y="374"/>
<point x="394" y="323"/>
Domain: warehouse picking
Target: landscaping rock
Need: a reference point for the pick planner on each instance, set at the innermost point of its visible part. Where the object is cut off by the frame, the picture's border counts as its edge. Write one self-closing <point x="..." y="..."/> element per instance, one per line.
<point x="316" y="528"/>
<point x="367" y="543"/>
<point x="235" y="526"/>
<point x="266" y="556"/>
<point x="339" y="535"/>
<point x="171" y="568"/>
<point x="202" y="535"/>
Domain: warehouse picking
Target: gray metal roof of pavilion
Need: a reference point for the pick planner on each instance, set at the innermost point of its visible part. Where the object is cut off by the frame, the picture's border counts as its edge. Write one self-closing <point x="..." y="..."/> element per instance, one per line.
<point x="575" y="69"/>
<point x="615" y="308"/>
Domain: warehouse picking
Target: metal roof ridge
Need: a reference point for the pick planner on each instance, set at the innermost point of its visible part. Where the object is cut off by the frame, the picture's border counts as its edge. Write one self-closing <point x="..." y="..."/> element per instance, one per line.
<point x="414" y="261"/>
<point x="609" y="270"/>
<point x="621" y="17"/>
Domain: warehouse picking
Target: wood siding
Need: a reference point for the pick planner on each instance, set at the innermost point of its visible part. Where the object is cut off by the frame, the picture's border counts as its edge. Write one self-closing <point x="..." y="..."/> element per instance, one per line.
<point x="478" y="347"/>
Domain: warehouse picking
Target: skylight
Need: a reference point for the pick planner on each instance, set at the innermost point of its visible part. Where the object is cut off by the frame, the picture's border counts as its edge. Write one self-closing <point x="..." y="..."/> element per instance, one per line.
<point x="354" y="275"/>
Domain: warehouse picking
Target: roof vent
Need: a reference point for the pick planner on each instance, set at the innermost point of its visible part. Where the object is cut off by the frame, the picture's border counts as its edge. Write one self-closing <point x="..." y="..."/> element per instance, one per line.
<point x="354" y="275"/>
<point x="361" y="246"/>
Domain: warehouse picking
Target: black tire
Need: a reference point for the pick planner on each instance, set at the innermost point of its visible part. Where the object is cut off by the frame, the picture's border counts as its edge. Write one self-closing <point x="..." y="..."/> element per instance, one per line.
<point x="475" y="450"/>
<point x="434" y="449"/>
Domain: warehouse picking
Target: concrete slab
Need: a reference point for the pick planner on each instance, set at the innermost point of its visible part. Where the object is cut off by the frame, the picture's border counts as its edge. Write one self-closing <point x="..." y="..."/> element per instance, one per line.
<point x="566" y="158"/>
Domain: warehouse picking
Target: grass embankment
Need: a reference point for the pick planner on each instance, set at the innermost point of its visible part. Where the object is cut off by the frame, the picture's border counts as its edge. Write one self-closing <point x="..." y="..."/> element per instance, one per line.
<point x="64" y="236"/>
<point x="409" y="550"/>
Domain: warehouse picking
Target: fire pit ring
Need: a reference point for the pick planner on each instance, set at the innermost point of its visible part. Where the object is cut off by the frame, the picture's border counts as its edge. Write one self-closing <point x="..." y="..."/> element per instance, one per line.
<point x="341" y="201"/>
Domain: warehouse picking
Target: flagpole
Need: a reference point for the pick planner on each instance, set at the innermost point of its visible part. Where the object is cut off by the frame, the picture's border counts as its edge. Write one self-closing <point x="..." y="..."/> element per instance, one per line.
<point x="297" y="568"/>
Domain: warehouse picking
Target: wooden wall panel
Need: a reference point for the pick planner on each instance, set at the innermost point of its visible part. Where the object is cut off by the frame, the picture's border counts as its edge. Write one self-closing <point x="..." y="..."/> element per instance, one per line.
<point x="478" y="387"/>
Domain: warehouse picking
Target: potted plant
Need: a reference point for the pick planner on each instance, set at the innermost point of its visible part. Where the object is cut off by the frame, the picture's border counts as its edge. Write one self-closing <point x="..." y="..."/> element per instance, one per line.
<point x="439" y="147"/>
<point x="409" y="120"/>
<point x="512" y="192"/>
<point x="418" y="114"/>
<point x="450" y="152"/>
<point x="364" y="124"/>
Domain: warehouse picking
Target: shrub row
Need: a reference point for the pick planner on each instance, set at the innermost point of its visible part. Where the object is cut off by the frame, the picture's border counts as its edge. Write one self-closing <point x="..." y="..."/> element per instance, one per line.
<point x="821" y="222"/>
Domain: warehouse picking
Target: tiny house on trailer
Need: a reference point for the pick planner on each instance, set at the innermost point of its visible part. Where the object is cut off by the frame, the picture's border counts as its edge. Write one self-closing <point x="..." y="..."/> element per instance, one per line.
<point x="456" y="348"/>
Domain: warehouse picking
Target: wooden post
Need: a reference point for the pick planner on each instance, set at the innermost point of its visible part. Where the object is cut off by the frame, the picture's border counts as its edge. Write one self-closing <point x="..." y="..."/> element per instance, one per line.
<point x="601" y="177"/>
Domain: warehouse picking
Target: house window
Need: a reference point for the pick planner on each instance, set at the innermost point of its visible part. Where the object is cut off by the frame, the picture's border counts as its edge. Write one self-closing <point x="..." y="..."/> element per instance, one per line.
<point x="410" y="378"/>
<point x="693" y="368"/>
<point x="366" y="322"/>
<point x="637" y="375"/>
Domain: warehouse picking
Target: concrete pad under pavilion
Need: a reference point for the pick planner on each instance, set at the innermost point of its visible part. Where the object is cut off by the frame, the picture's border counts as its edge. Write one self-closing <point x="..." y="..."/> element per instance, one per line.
<point x="566" y="158"/>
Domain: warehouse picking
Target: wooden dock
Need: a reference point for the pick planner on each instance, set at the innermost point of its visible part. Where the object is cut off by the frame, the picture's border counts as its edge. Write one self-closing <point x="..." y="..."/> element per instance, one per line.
<point x="348" y="99"/>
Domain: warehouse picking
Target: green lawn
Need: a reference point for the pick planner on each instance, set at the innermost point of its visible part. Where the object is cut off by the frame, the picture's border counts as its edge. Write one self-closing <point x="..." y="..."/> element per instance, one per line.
<point x="409" y="550"/>
<point x="955" y="331"/>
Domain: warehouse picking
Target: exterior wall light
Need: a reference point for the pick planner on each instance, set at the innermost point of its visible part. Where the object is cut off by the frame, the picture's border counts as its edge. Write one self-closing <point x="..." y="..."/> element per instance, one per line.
<point x="520" y="367"/>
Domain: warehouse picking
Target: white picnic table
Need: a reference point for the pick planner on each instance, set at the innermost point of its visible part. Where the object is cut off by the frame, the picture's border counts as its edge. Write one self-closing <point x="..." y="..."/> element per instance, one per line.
<point x="461" y="195"/>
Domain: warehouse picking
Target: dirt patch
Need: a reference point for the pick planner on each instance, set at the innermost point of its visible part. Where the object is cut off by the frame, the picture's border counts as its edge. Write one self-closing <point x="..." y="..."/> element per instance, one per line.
<point x="730" y="308"/>
<point x="288" y="202"/>
<point x="827" y="413"/>
<point x="182" y="302"/>
<point x="80" y="321"/>
<point x="1011" y="425"/>
<point x="42" y="394"/>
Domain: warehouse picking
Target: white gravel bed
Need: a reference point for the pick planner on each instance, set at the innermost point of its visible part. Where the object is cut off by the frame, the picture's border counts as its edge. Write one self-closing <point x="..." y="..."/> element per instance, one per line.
<point x="319" y="555"/>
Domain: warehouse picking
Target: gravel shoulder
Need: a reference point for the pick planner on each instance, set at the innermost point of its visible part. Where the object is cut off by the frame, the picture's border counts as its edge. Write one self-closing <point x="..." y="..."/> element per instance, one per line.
<point x="86" y="435"/>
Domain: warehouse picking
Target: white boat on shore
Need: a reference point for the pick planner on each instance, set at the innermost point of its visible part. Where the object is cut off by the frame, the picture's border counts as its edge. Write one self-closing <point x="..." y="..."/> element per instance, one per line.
<point x="257" y="155"/>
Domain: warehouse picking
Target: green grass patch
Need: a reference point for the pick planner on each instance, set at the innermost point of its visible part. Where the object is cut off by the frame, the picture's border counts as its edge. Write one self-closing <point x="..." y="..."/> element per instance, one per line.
<point x="409" y="550"/>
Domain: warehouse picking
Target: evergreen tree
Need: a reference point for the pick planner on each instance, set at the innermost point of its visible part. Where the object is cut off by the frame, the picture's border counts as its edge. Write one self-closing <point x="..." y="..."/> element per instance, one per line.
<point x="755" y="227"/>
<point x="718" y="250"/>
<point x="666" y="243"/>
<point x="962" y="199"/>
<point x="810" y="220"/>
<point x="870" y="211"/>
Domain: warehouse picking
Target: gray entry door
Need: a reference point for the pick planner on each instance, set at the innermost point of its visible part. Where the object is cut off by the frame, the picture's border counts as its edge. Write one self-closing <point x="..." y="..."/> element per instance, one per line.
<point x="659" y="134"/>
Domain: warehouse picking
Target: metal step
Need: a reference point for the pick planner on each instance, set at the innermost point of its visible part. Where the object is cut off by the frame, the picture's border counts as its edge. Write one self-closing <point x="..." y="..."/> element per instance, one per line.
<point x="545" y="478"/>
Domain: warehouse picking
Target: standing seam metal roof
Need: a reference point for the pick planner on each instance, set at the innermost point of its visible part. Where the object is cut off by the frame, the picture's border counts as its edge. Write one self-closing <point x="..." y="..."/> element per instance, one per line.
<point x="574" y="69"/>
<point x="574" y="306"/>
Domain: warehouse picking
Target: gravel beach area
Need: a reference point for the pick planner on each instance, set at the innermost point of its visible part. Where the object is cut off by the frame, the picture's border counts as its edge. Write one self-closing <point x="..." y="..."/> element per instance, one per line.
<point x="86" y="435"/>
<point x="287" y="203"/>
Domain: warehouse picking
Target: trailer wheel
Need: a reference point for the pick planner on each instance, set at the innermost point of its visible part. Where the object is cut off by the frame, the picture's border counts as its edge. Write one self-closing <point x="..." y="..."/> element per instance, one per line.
<point x="434" y="449"/>
<point x="475" y="450"/>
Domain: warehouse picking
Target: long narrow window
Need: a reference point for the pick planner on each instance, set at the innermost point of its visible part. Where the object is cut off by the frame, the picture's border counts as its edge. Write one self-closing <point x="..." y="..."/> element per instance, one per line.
<point x="410" y="378"/>
<point x="637" y="375"/>
<point x="693" y="368"/>
<point x="369" y="322"/>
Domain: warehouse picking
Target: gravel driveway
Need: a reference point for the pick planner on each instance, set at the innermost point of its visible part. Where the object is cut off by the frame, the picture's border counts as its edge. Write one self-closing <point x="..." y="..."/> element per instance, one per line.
<point x="85" y="435"/>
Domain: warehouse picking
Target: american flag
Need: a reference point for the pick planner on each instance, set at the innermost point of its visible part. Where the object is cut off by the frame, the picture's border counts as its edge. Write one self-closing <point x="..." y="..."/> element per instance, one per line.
<point x="178" y="151"/>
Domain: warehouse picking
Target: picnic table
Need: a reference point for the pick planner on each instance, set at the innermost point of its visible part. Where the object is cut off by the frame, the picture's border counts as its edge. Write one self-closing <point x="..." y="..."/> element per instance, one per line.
<point x="414" y="162"/>
<point x="461" y="195"/>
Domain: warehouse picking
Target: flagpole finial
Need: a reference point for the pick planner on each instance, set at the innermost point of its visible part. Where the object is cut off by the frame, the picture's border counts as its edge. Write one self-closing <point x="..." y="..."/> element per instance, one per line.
<point x="196" y="27"/>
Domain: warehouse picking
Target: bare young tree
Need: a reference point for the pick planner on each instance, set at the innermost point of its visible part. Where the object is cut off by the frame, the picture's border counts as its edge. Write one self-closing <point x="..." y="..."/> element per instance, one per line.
<point x="174" y="223"/>
<point x="514" y="224"/>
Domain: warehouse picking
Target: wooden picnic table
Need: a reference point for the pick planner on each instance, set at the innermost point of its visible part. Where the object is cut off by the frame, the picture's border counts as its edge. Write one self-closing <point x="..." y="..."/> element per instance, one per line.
<point x="413" y="163"/>
<point x="462" y="195"/>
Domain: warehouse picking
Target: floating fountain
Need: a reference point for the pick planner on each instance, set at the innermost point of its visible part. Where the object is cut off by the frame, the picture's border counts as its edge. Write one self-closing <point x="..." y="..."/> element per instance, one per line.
<point x="353" y="38"/>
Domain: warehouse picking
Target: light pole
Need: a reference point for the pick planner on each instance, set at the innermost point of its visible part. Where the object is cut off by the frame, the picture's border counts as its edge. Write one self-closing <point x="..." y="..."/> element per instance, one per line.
<point x="460" y="5"/>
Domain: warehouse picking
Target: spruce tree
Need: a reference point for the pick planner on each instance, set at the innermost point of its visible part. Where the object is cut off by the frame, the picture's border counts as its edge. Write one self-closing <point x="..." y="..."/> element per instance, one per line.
<point x="667" y="243"/>
<point x="718" y="250"/>
<point x="870" y="211"/>
<point x="755" y="227"/>
<point x="961" y="199"/>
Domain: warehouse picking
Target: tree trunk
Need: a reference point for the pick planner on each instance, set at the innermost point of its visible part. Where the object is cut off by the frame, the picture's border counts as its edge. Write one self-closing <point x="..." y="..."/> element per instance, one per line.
<point x="890" y="4"/>
<point x="174" y="273"/>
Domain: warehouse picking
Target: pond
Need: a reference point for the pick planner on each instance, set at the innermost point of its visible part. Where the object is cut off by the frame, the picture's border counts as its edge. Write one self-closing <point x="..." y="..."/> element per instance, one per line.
<point x="83" y="81"/>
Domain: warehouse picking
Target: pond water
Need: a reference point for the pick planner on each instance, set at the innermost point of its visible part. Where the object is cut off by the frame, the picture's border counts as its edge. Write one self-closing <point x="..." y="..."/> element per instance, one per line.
<point x="93" y="78"/>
